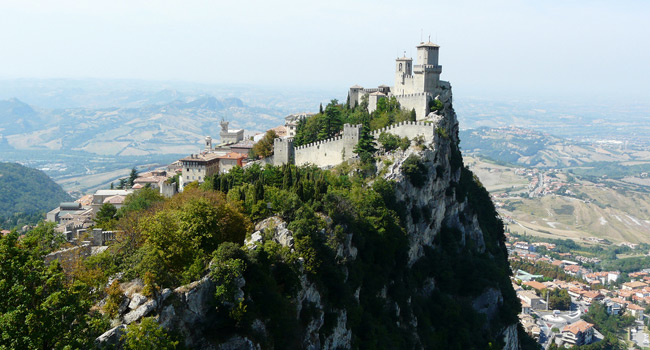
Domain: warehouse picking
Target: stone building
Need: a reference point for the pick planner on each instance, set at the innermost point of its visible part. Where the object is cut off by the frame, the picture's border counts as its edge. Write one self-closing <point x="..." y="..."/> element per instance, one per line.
<point x="231" y="160"/>
<point x="291" y="122"/>
<point x="229" y="136"/>
<point x="578" y="333"/>
<point x="115" y="197"/>
<point x="196" y="167"/>
<point x="415" y="87"/>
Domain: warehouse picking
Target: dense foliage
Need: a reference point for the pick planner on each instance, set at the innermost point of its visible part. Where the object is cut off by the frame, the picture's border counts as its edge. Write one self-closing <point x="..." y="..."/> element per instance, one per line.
<point x="606" y="323"/>
<point x="26" y="194"/>
<point x="39" y="307"/>
<point x="264" y="147"/>
<point x="147" y="335"/>
<point x="330" y="122"/>
<point x="558" y="299"/>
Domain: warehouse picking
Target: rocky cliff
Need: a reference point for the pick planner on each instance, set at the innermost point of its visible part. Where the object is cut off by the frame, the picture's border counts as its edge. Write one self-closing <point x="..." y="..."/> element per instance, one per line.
<point x="416" y="261"/>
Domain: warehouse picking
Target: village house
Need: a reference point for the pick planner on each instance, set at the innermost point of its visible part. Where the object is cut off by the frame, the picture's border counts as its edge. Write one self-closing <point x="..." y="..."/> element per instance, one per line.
<point x="156" y="179"/>
<point x="114" y="197"/>
<point x="578" y="333"/>
<point x="538" y="286"/>
<point x="591" y="296"/>
<point x="614" y="306"/>
<point x="634" y="285"/>
<point x="531" y="298"/>
<point x="625" y="294"/>
<point x="530" y="326"/>
<point x="230" y="160"/>
<point x="636" y="311"/>
<point x="291" y="122"/>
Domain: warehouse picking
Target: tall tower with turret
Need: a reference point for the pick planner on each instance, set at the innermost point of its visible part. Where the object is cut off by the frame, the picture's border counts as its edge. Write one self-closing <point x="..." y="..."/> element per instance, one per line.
<point x="427" y="70"/>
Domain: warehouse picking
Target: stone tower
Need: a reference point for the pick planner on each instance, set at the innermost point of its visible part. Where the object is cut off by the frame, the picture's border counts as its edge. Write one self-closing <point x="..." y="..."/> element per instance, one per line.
<point x="427" y="71"/>
<point x="403" y="73"/>
<point x="283" y="151"/>
<point x="208" y="143"/>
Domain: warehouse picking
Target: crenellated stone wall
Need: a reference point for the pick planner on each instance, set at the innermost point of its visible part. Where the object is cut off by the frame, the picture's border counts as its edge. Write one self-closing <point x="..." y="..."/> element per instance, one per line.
<point x="410" y="130"/>
<point x="332" y="151"/>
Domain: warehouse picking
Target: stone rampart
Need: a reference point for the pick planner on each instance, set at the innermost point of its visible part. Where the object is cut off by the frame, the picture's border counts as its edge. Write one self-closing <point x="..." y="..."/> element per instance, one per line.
<point x="331" y="151"/>
<point x="336" y="150"/>
<point x="409" y="129"/>
<point x="417" y="101"/>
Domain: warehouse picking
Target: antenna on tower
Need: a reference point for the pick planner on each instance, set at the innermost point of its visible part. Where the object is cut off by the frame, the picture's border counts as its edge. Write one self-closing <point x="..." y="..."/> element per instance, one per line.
<point x="429" y="37"/>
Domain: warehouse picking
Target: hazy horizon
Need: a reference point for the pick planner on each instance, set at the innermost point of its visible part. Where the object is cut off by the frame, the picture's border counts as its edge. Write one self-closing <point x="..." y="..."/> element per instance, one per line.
<point x="586" y="50"/>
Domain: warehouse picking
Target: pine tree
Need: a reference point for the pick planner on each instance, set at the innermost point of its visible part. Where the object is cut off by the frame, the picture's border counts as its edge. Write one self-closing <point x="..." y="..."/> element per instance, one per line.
<point x="320" y="109"/>
<point x="122" y="184"/>
<point x="366" y="146"/>
<point x="259" y="191"/>
<point x="287" y="181"/>
<point x="133" y="176"/>
<point x="331" y="121"/>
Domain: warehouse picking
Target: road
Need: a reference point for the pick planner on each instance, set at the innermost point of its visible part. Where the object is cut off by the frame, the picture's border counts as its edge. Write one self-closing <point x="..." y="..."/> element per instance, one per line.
<point x="638" y="336"/>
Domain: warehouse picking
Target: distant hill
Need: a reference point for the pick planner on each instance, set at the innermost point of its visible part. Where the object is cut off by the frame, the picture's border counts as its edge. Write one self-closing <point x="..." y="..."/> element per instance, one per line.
<point x="25" y="193"/>
<point x="530" y="148"/>
<point x="155" y="126"/>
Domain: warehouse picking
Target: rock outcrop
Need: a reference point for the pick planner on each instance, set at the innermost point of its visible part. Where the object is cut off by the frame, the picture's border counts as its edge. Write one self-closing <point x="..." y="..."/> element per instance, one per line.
<point x="442" y="218"/>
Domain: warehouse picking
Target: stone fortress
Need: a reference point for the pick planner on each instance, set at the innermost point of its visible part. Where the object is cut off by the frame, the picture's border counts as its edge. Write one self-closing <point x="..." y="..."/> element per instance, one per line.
<point x="415" y="88"/>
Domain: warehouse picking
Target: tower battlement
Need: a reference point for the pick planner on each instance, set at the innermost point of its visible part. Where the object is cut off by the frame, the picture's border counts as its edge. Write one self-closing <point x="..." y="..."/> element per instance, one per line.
<point x="415" y="85"/>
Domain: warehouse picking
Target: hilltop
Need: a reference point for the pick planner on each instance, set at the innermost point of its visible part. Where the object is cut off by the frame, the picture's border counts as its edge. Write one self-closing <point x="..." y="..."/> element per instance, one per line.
<point x="26" y="194"/>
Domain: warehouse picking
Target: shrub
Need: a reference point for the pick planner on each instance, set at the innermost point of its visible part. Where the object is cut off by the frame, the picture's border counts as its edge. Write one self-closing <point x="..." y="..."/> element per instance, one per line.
<point x="415" y="170"/>
<point x="147" y="335"/>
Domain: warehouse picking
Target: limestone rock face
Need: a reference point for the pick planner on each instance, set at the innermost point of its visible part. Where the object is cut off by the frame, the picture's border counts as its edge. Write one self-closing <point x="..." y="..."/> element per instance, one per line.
<point x="273" y="227"/>
<point x="511" y="338"/>
<point x="111" y="338"/>
<point x="143" y="310"/>
<point x="136" y="300"/>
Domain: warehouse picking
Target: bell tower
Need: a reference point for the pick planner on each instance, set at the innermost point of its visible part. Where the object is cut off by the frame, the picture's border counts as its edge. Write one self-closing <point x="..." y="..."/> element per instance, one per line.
<point x="403" y="75"/>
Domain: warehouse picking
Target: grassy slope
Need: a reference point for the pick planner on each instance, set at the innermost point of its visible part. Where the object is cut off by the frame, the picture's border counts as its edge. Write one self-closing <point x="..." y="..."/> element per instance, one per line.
<point x="618" y="214"/>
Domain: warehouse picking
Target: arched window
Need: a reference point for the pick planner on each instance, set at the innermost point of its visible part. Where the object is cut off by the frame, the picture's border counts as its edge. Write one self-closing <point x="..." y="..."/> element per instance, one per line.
<point x="400" y="67"/>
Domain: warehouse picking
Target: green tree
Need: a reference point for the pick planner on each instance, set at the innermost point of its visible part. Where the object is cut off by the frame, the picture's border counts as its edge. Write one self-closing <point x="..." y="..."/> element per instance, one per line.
<point x="415" y="170"/>
<point x="38" y="310"/>
<point x="264" y="147"/>
<point x="142" y="199"/>
<point x="558" y="299"/>
<point x="332" y="122"/>
<point x="44" y="238"/>
<point x="390" y="142"/>
<point x="147" y="335"/>
<point x="105" y="217"/>
<point x="366" y="146"/>
<point x="122" y="184"/>
<point x="132" y="177"/>
<point x="436" y="105"/>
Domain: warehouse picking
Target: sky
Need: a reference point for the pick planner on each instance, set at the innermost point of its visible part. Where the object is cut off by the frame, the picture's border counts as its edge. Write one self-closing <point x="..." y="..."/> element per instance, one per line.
<point x="582" y="49"/>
